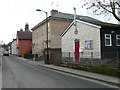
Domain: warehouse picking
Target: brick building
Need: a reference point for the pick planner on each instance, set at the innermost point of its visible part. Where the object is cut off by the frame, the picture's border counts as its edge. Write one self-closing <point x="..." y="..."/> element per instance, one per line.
<point x="24" y="41"/>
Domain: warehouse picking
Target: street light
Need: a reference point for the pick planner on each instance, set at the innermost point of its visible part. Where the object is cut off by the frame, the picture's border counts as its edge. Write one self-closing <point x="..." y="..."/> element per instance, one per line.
<point x="46" y="62"/>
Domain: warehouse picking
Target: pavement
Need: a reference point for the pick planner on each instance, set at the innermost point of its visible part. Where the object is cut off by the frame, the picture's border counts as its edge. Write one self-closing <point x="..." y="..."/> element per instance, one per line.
<point x="94" y="76"/>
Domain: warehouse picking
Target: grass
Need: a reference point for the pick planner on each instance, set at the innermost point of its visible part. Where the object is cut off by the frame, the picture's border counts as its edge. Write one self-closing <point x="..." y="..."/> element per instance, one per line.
<point x="102" y="69"/>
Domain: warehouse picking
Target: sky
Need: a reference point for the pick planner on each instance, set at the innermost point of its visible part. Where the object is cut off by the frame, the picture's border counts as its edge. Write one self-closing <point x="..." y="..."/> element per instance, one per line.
<point x="15" y="13"/>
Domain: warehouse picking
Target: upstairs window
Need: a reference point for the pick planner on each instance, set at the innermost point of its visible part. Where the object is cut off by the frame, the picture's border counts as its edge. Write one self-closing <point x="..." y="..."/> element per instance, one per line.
<point x="43" y="29"/>
<point x="89" y="45"/>
<point x="108" y="41"/>
<point x="118" y="40"/>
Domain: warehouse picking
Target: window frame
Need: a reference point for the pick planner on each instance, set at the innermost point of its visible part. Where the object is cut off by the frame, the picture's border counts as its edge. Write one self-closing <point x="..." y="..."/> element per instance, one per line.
<point x="90" y="43"/>
<point x="110" y="39"/>
<point x="117" y="40"/>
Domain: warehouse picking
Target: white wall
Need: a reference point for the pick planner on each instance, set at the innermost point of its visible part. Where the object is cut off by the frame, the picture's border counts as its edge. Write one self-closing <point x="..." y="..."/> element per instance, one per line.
<point x="14" y="48"/>
<point x="86" y="31"/>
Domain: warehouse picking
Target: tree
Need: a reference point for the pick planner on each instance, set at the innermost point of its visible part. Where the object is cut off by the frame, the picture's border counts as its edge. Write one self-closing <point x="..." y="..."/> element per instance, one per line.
<point x="106" y="7"/>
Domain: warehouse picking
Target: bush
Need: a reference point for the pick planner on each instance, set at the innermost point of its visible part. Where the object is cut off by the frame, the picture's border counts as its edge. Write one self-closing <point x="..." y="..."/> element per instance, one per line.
<point x="28" y="55"/>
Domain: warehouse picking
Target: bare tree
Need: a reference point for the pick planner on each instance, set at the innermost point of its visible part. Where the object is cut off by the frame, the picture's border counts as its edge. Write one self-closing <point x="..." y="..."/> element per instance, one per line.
<point x="106" y="7"/>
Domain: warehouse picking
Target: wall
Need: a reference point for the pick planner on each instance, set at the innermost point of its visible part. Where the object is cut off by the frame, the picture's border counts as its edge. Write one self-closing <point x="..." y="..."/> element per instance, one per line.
<point x="25" y="46"/>
<point x="55" y="28"/>
<point x="14" y="48"/>
<point x="113" y="51"/>
<point x="86" y="31"/>
<point x="38" y="36"/>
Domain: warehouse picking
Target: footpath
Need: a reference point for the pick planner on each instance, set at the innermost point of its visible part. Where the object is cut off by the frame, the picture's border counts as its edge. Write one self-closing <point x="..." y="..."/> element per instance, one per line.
<point x="94" y="76"/>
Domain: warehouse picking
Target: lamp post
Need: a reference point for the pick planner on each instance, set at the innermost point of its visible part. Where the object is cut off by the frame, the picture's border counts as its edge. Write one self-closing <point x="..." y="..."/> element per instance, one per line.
<point x="46" y="62"/>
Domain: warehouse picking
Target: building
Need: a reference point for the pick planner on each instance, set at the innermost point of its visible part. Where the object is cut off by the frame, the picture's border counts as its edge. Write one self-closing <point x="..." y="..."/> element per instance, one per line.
<point x="97" y="39"/>
<point x="24" y="41"/>
<point x="1" y="48"/>
<point x="57" y="22"/>
<point x="8" y="47"/>
<point x="13" y="47"/>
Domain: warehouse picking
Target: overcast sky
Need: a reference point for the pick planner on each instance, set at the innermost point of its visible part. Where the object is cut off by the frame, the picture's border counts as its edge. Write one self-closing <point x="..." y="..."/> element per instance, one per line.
<point x="15" y="13"/>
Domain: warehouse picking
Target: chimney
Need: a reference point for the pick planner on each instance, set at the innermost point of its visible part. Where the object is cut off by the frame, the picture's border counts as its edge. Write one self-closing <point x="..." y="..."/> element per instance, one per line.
<point x="53" y="12"/>
<point x="26" y="27"/>
<point x="21" y="30"/>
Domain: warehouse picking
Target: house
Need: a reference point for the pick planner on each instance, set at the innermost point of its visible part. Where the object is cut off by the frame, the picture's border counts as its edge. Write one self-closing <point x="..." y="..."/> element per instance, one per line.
<point x="1" y="47"/>
<point x="57" y="22"/>
<point x="98" y="40"/>
<point x="24" y="41"/>
<point x="8" y="47"/>
<point x="13" y="47"/>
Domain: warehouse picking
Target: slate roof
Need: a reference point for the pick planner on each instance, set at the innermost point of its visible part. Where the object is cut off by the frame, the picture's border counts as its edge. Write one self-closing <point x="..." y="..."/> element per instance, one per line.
<point x="60" y="15"/>
<point x="83" y="18"/>
<point x="22" y="35"/>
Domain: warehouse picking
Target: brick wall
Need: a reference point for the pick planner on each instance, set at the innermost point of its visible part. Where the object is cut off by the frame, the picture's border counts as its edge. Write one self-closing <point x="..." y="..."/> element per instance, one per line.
<point x="25" y="46"/>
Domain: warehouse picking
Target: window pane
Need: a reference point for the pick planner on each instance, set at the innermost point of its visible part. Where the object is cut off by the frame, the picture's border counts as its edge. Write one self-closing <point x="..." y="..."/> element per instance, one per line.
<point x="118" y="36"/>
<point x="118" y="42"/>
<point x="107" y="41"/>
<point x="89" y="44"/>
<point x="107" y="36"/>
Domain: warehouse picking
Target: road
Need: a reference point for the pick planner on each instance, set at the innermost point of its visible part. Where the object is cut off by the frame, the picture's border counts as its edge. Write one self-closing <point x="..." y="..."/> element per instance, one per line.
<point x="0" y="71"/>
<point x="17" y="73"/>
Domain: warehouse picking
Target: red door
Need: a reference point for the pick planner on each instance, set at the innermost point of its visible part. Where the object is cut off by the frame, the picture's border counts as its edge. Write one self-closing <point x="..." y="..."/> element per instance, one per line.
<point x="77" y="56"/>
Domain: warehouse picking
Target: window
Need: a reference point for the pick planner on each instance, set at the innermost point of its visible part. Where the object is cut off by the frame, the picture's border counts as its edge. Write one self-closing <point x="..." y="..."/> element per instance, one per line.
<point x="43" y="28"/>
<point x="37" y="33"/>
<point x="118" y="40"/>
<point x="48" y="24"/>
<point x="48" y="27"/>
<point x="108" y="41"/>
<point x="89" y="45"/>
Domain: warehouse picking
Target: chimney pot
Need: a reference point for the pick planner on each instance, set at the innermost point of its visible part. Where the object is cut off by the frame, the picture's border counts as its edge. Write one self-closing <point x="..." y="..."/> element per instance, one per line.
<point x="26" y="27"/>
<point x="53" y="12"/>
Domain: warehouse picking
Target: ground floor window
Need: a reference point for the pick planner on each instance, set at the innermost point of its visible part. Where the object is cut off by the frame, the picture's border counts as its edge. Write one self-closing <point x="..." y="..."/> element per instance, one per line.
<point x="89" y="44"/>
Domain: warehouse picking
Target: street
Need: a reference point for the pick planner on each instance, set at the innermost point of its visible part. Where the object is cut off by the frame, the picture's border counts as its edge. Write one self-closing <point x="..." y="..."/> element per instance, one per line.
<point x="17" y="73"/>
<point x="0" y="71"/>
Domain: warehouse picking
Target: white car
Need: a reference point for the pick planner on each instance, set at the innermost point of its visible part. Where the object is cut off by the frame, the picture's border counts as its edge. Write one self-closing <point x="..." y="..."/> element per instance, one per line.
<point x="6" y="53"/>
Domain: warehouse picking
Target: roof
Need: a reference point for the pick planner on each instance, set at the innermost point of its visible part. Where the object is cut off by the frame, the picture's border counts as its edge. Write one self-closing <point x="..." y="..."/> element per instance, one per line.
<point x="22" y="35"/>
<point x="60" y="15"/>
<point x="78" y="21"/>
<point x="83" y="18"/>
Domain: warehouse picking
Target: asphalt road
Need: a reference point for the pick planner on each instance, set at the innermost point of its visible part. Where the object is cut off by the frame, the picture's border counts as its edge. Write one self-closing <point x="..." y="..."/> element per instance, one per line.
<point x="17" y="73"/>
<point x="0" y="72"/>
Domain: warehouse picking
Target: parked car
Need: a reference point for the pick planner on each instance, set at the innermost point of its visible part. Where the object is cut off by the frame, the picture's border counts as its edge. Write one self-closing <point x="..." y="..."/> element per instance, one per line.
<point x="6" y="53"/>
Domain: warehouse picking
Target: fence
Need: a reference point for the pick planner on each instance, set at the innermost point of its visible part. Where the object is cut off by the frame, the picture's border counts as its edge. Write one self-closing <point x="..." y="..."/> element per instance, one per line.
<point x="92" y="57"/>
